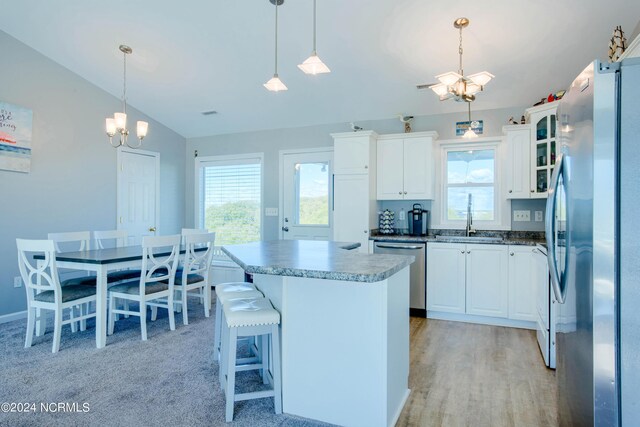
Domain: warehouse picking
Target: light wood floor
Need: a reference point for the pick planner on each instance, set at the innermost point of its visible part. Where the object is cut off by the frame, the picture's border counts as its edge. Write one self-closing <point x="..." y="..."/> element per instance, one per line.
<point x="475" y="375"/>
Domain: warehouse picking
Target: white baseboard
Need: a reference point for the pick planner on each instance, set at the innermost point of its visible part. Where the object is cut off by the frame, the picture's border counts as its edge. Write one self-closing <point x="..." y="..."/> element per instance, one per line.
<point x="482" y="320"/>
<point x="396" y="416"/>
<point x="13" y="316"/>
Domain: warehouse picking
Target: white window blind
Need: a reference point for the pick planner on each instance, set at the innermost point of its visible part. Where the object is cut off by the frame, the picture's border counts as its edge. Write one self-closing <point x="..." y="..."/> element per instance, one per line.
<point x="230" y="199"/>
<point x="471" y="172"/>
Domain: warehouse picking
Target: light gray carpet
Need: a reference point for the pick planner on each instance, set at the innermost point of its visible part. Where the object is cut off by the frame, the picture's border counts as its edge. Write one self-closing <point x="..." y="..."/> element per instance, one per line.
<point x="170" y="379"/>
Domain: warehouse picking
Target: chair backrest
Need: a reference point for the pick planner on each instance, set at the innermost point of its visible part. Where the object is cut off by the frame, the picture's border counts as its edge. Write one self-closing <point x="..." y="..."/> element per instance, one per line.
<point x="198" y="262"/>
<point x="159" y="268"/>
<point x="190" y="231"/>
<point x="43" y="278"/>
<point x="118" y="237"/>
<point x="79" y="238"/>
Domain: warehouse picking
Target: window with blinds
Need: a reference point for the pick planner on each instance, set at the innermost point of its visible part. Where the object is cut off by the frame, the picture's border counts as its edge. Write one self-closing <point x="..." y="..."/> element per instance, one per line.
<point x="231" y="198"/>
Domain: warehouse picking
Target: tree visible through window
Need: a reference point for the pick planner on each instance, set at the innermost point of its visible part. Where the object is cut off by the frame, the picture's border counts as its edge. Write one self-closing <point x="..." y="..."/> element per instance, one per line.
<point x="230" y="199"/>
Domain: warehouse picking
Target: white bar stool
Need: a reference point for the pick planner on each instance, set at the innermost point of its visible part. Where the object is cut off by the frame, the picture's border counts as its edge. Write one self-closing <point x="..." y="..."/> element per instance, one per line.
<point x="225" y="292"/>
<point x="244" y="318"/>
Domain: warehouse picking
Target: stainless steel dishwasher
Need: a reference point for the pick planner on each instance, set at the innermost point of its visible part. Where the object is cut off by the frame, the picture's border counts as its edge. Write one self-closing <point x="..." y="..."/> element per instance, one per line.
<point x="418" y="290"/>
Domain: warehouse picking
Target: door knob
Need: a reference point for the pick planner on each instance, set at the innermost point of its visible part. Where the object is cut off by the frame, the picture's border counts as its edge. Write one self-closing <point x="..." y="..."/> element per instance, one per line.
<point x="285" y="228"/>
<point x="152" y="229"/>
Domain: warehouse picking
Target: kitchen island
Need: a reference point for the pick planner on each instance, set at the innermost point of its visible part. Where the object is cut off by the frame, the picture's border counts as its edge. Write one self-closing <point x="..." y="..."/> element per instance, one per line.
<point x="345" y="327"/>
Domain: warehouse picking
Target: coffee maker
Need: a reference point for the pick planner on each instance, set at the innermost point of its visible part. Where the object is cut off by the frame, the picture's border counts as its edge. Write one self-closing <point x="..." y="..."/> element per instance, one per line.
<point x="418" y="221"/>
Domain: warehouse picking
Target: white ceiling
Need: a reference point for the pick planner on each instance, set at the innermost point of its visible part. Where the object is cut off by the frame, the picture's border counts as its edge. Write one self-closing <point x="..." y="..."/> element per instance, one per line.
<point x="199" y="55"/>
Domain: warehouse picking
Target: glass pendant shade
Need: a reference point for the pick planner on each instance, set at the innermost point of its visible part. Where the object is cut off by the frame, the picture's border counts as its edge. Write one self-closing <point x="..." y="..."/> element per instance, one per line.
<point x="275" y="84"/>
<point x="314" y="65"/>
<point x="470" y="133"/>
<point x="141" y="129"/>
<point x="481" y="78"/>
<point x="440" y="89"/>
<point x="120" y="120"/>
<point x="449" y="78"/>
<point x="472" y="89"/>
<point x="110" y="126"/>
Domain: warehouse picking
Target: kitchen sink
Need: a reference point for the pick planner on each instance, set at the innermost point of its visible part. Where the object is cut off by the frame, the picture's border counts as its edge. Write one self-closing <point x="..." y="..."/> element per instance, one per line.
<point x="480" y="239"/>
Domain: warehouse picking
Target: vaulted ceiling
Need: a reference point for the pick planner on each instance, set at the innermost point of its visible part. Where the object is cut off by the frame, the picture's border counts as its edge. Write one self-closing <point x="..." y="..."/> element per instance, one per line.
<point x="199" y="55"/>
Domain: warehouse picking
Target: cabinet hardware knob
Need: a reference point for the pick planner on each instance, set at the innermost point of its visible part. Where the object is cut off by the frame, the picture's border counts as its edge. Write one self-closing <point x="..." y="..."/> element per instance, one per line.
<point x="405" y="192"/>
<point x="468" y="252"/>
<point x="533" y="191"/>
<point x="512" y="254"/>
<point x="365" y="231"/>
<point x="510" y="191"/>
<point x="400" y="192"/>
<point x="366" y="167"/>
<point x="462" y="251"/>
<point x="285" y="228"/>
<point x="152" y="229"/>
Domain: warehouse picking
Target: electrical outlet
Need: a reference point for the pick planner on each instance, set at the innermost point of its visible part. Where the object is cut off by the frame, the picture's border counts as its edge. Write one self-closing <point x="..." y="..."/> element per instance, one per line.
<point x="17" y="282"/>
<point x="522" y="215"/>
<point x="271" y="211"/>
<point x="538" y="216"/>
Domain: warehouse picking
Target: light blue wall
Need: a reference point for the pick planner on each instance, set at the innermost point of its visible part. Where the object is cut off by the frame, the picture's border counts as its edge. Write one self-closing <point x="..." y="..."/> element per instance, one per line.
<point x="72" y="183"/>
<point x="270" y="142"/>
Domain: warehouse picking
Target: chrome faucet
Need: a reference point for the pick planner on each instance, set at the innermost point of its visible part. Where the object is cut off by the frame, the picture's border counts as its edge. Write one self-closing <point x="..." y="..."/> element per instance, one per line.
<point x="469" y="228"/>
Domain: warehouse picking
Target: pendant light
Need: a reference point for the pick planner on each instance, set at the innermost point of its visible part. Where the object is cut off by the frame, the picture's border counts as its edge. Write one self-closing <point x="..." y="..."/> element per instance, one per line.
<point x="469" y="132"/>
<point x="457" y="85"/>
<point x="118" y="123"/>
<point x="275" y="84"/>
<point x="313" y="64"/>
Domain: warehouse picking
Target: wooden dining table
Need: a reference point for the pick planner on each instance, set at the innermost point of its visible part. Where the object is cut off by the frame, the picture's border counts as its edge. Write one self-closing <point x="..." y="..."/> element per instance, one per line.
<point x="101" y="262"/>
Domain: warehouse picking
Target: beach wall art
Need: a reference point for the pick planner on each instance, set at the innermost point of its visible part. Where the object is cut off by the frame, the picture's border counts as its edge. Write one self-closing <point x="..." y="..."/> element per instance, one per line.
<point x="15" y="137"/>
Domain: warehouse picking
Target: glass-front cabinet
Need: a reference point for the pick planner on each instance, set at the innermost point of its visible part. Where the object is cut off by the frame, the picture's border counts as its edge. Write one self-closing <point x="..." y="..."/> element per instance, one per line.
<point x="543" y="147"/>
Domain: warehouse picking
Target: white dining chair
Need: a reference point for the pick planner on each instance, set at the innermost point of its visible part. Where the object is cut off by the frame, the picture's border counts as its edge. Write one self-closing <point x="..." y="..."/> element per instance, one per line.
<point x="44" y="291"/>
<point x="154" y="287"/>
<point x="115" y="239"/>
<point x="188" y="231"/>
<point x="195" y="272"/>
<point x="67" y="242"/>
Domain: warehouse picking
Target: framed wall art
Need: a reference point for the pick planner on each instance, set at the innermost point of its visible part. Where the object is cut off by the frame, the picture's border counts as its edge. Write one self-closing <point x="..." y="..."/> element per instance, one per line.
<point x="15" y="137"/>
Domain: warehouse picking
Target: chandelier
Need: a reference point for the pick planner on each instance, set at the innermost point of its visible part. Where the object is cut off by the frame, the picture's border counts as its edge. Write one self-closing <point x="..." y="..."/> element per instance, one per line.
<point x="457" y="85"/>
<point x="118" y="123"/>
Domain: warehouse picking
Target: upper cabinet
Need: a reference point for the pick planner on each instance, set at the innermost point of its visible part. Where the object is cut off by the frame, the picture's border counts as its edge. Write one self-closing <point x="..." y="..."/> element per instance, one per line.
<point x="543" y="147"/>
<point x="354" y="152"/>
<point x="405" y="166"/>
<point x="518" y="140"/>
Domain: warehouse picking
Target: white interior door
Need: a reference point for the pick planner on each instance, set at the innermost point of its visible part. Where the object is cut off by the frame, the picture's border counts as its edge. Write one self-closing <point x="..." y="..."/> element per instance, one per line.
<point x="138" y="193"/>
<point x="307" y="195"/>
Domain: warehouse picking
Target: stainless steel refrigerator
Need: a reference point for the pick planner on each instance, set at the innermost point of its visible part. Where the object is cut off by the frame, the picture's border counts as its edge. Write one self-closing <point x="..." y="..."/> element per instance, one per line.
<point x="592" y="223"/>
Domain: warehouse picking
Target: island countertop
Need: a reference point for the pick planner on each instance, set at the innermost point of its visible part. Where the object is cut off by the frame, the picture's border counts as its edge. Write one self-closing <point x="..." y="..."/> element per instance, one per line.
<point x="316" y="260"/>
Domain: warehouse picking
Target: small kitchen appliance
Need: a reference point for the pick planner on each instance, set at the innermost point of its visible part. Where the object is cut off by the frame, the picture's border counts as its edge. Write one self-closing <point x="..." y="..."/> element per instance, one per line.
<point x="418" y="220"/>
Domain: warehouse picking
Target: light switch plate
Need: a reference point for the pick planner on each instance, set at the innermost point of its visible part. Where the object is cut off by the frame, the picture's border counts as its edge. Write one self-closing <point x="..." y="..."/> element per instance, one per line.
<point x="271" y="211"/>
<point x="538" y="216"/>
<point x="522" y="215"/>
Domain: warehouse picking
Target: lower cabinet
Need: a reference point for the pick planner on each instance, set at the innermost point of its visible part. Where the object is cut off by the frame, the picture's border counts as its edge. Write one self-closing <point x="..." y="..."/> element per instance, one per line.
<point x="481" y="280"/>
<point x="351" y="215"/>
<point x="467" y="278"/>
<point x="522" y="283"/>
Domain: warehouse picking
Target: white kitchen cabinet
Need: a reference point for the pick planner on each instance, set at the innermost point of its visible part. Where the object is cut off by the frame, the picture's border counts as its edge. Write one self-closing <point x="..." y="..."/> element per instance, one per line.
<point x="405" y="166"/>
<point x="446" y="277"/>
<point x="518" y="140"/>
<point x="351" y="209"/>
<point x="487" y="280"/>
<point x="354" y="187"/>
<point x="543" y="147"/>
<point x="354" y="152"/>
<point x="468" y="279"/>
<point x="523" y="276"/>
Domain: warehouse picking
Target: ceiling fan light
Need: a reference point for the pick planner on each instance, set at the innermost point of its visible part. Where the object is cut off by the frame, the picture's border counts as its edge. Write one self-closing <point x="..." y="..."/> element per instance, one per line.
<point x="314" y="65"/>
<point x="440" y="89"/>
<point x="481" y="78"/>
<point x="275" y="84"/>
<point x="449" y="78"/>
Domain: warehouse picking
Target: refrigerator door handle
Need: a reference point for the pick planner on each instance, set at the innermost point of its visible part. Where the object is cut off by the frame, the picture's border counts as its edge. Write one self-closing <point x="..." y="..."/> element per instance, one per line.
<point x="550" y="232"/>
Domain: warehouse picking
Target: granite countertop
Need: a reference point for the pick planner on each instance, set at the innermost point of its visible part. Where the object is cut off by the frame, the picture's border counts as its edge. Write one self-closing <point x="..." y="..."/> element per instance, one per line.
<point x="316" y="259"/>
<point x="508" y="238"/>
